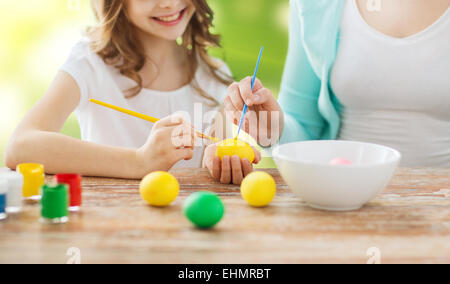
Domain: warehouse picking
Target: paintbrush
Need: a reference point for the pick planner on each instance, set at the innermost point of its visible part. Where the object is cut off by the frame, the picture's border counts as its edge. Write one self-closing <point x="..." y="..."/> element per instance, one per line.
<point x="244" y="111"/>
<point x="144" y="117"/>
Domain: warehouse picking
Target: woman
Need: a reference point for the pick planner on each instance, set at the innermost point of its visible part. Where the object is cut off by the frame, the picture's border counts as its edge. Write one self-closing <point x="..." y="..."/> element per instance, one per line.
<point x="367" y="70"/>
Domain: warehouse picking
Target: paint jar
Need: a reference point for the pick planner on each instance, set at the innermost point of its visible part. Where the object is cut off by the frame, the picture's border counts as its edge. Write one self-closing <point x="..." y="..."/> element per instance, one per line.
<point x="75" y="190"/>
<point x="3" y="192"/>
<point x="4" y="170"/>
<point x="33" y="180"/>
<point x="14" y="195"/>
<point x="54" y="204"/>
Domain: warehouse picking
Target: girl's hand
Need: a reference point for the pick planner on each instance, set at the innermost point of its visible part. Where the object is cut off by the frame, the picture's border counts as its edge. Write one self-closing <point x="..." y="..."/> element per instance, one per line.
<point x="262" y="103"/>
<point x="230" y="169"/>
<point x="172" y="139"/>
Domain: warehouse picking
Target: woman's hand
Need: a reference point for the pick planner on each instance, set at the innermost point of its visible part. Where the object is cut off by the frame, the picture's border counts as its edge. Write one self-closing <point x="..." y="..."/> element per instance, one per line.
<point x="262" y="108"/>
<point x="230" y="169"/>
<point x="172" y="139"/>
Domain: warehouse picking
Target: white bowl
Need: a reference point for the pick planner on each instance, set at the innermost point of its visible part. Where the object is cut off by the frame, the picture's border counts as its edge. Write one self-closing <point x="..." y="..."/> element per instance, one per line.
<point x="305" y="168"/>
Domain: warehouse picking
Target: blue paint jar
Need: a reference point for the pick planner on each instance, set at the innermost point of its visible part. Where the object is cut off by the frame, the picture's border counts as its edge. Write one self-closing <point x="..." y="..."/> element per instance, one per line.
<point x="3" y="192"/>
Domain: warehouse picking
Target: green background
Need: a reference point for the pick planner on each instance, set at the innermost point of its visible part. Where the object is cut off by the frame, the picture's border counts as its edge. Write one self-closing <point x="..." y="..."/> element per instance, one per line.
<point x="36" y="37"/>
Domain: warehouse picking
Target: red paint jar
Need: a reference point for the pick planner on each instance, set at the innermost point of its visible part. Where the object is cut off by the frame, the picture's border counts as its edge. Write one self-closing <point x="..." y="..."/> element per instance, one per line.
<point x="75" y="190"/>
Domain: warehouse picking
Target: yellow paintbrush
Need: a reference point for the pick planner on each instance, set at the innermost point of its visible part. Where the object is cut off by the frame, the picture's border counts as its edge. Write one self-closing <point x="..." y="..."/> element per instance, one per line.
<point x="144" y="117"/>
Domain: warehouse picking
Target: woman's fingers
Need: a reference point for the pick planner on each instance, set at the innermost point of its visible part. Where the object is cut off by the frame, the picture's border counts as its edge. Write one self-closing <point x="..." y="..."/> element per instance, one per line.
<point x="235" y="97"/>
<point x="258" y="85"/>
<point x="260" y="97"/>
<point x="213" y="162"/>
<point x="236" y="169"/>
<point x="246" y="167"/>
<point x="225" y="175"/>
<point x="245" y="88"/>
<point x="229" y="105"/>
<point x="216" y="168"/>
<point x="231" y="169"/>
<point x="231" y="111"/>
<point x="240" y="94"/>
<point x="257" y="156"/>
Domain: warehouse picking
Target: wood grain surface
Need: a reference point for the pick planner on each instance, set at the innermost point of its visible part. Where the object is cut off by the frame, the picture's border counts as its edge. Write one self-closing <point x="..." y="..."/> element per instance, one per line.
<point x="408" y="223"/>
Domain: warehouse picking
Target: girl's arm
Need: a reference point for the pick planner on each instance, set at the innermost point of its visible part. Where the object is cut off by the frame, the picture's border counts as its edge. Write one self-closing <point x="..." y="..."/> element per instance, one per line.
<point x="37" y="139"/>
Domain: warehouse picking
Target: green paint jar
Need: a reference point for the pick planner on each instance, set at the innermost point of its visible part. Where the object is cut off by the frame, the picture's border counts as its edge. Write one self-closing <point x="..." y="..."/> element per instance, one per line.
<point x="55" y="204"/>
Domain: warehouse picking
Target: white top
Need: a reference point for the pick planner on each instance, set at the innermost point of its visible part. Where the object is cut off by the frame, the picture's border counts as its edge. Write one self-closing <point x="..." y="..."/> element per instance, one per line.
<point x="105" y="83"/>
<point x="395" y="92"/>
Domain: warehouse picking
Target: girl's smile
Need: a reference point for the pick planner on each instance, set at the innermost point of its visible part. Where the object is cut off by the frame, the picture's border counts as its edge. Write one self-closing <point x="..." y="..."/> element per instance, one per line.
<point x="163" y="19"/>
<point x="171" y="19"/>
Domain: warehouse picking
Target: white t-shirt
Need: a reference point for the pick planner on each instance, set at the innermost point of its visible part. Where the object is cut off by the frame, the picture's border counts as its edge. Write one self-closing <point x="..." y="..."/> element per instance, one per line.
<point x="395" y="91"/>
<point x="103" y="82"/>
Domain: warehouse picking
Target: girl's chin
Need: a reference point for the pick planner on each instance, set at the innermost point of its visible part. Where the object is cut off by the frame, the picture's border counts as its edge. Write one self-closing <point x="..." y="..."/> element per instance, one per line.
<point x="165" y="36"/>
<point x="164" y="33"/>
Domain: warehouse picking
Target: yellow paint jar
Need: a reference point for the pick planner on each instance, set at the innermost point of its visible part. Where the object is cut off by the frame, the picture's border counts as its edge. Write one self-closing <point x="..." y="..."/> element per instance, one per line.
<point x="33" y="180"/>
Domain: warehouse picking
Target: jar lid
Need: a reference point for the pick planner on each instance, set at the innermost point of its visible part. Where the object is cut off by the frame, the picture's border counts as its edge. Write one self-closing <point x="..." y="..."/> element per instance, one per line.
<point x="4" y="170"/>
<point x="14" y="179"/>
<point x="31" y="169"/>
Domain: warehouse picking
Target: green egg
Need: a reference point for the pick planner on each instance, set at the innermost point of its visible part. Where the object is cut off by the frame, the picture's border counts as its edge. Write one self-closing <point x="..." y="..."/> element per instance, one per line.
<point x="204" y="209"/>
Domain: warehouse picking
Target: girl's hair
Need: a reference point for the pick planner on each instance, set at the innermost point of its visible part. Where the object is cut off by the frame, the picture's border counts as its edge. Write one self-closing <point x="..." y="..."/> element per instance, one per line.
<point x="115" y="41"/>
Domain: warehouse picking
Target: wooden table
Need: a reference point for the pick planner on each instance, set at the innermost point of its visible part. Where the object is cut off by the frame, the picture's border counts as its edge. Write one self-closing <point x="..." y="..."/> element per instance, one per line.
<point x="408" y="223"/>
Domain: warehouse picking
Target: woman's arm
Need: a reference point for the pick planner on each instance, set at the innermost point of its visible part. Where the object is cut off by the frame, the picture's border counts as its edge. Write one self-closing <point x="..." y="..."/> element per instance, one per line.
<point x="298" y="107"/>
<point x="300" y="89"/>
<point x="37" y="139"/>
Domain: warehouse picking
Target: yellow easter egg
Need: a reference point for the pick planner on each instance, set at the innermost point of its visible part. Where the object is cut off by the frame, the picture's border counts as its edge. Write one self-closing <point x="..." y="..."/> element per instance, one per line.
<point x="258" y="189"/>
<point x="235" y="147"/>
<point x="159" y="189"/>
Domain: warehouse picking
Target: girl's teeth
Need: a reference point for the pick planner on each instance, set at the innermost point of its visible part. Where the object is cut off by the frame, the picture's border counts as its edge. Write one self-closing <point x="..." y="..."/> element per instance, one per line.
<point x="169" y="19"/>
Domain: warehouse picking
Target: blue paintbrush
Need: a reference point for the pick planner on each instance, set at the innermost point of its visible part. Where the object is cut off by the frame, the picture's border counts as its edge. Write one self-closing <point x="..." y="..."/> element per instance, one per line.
<point x="244" y="111"/>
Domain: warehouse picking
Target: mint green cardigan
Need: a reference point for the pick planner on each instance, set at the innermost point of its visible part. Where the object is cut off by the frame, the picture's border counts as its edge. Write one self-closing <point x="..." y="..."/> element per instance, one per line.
<point x="312" y="112"/>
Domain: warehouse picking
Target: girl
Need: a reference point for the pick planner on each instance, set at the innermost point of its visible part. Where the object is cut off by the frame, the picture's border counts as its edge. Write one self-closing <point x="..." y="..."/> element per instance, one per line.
<point x="132" y="60"/>
<point x="368" y="70"/>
